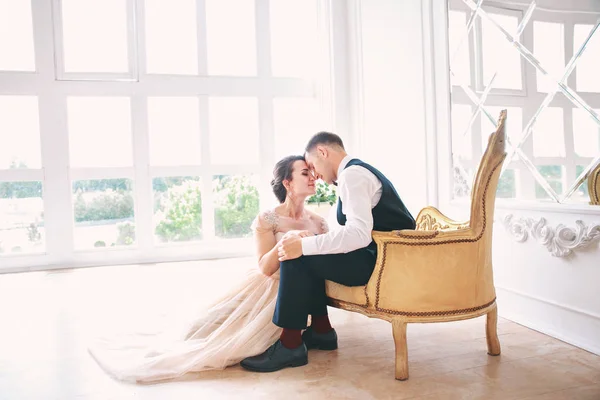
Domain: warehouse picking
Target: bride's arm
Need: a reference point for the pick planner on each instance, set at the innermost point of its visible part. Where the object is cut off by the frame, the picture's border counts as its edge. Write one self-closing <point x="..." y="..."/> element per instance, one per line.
<point x="266" y="248"/>
<point x="268" y="259"/>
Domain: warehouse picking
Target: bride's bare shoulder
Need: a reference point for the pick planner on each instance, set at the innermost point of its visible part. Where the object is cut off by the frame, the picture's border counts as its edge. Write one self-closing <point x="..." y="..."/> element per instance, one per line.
<point x="319" y="221"/>
<point x="313" y="215"/>
<point x="267" y="214"/>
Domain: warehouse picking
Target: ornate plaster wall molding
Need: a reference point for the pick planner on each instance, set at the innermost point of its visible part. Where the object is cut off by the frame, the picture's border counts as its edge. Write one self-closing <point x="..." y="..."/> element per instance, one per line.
<point x="561" y="241"/>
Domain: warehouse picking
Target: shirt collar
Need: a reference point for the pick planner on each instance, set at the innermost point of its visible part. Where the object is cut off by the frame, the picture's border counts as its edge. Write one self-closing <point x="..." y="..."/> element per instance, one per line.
<point x="343" y="164"/>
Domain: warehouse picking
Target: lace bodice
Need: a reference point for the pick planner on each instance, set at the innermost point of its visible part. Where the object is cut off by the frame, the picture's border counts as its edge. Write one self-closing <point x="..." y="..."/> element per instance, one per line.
<point x="270" y="220"/>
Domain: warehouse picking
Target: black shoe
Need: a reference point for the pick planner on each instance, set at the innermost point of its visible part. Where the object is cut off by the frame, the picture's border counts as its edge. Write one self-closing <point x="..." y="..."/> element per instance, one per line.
<point x="322" y="341"/>
<point x="277" y="357"/>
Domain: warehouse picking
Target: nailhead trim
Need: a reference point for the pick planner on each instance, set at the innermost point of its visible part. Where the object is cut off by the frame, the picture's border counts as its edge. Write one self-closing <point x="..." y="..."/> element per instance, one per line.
<point x="436" y="313"/>
<point x="433" y="313"/>
<point x="471" y="240"/>
<point x="595" y="196"/>
<point x="420" y="237"/>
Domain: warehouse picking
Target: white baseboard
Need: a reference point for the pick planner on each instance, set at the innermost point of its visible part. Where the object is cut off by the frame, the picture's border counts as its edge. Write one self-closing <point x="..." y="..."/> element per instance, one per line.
<point x="577" y="327"/>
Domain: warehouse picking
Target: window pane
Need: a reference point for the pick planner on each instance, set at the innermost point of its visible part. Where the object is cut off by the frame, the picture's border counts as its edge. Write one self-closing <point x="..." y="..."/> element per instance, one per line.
<point x="104" y="215"/>
<point x="586" y="133"/>
<point x="548" y="134"/>
<point x="174" y="127"/>
<point x="177" y="208"/>
<point x="231" y="37"/>
<point x="99" y="131"/>
<point x="233" y="128"/>
<point x="95" y="35"/>
<point x="171" y="37"/>
<point x="294" y="38"/>
<point x="16" y="36"/>
<point x="499" y="55"/>
<point x="457" y="24"/>
<point x="462" y="181"/>
<point x="586" y="72"/>
<point x="21" y="218"/>
<point x="19" y="132"/>
<point x="514" y="124"/>
<point x="549" y="49"/>
<point x="507" y="185"/>
<point x="461" y="143"/>
<point x="554" y="176"/>
<point x="236" y="205"/>
<point x="295" y="121"/>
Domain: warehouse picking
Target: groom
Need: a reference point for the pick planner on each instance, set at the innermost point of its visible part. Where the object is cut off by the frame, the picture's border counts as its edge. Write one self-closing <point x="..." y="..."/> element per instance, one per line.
<point x="367" y="201"/>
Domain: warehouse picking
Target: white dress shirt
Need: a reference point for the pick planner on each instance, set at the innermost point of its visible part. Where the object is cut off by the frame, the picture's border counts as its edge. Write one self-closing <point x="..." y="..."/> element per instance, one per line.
<point x="360" y="191"/>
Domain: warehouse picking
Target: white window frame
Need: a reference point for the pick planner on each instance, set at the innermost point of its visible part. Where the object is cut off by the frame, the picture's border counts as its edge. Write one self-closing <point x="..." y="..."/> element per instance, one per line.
<point x="474" y="49"/>
<point x="528" y="100"/>
<point x="130" y="75"/>
<point x="52" y="86"/>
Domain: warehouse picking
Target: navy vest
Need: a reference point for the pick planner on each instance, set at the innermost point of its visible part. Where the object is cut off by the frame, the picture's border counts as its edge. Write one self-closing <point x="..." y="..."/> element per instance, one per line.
<point x="390" y="213"/>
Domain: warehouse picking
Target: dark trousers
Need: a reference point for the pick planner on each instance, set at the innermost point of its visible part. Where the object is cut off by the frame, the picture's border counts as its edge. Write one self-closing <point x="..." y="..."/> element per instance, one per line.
<point x="302" y="283"/>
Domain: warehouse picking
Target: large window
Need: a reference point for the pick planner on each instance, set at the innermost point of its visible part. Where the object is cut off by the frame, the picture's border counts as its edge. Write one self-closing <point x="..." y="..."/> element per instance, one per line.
<point x="22" y="228"/>
<point x="511" y="57"/>
<point x="145" y="129"/>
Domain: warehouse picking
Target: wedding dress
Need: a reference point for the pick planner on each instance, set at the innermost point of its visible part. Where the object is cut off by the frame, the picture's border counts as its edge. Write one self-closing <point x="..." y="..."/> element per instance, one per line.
<point x="237" y="326"/>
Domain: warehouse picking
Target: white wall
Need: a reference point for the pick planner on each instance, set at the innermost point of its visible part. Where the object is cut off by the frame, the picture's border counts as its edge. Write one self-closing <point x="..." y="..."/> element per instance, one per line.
<point x="555" y="295"/>
<point x="391" y="109"/>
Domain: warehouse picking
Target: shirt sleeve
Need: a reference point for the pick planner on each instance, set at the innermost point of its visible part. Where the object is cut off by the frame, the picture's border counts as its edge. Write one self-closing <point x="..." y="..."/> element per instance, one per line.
<point x="356" y="187"/>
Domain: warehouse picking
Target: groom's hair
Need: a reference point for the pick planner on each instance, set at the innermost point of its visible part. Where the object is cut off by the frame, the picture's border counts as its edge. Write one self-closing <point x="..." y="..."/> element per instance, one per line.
<point x="323" y="138"/>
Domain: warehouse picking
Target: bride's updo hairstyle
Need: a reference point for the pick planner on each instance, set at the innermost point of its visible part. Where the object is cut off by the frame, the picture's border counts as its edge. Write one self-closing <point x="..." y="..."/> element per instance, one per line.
<point x="283" y="171"/>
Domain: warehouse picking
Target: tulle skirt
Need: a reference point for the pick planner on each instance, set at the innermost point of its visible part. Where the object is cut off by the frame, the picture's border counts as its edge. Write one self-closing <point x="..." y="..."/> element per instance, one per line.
<point x="237" y="326"/>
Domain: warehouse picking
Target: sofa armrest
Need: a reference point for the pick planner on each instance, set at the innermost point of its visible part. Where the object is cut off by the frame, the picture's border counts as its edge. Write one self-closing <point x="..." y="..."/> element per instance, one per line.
<point x="430" y="219"/>
<point x="425" y="238"/>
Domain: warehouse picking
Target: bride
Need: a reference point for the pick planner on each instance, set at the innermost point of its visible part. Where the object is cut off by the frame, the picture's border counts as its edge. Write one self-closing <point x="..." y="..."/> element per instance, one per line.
<point x="239" y="324"/>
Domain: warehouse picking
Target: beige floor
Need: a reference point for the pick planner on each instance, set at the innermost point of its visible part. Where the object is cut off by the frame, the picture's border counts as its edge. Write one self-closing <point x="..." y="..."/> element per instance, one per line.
<point x="47" y="319"/>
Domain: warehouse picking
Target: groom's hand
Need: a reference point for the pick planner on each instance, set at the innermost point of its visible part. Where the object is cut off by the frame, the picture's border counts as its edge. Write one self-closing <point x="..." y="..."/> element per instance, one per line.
<point x="290" y="247"/>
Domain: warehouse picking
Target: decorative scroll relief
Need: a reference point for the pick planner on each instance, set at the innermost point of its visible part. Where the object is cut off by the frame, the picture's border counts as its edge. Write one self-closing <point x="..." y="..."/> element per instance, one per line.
<point x="429" y="223"/>
<point x="560" y="241"/>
